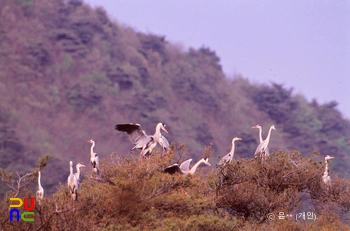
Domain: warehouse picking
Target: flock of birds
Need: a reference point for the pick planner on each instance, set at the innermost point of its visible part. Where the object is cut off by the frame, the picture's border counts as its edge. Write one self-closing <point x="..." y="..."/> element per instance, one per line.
<point x="146" y="143"/>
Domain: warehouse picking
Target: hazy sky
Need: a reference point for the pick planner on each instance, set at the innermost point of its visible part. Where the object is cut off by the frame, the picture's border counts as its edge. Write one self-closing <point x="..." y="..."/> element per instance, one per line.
<point x="301" y="44"/>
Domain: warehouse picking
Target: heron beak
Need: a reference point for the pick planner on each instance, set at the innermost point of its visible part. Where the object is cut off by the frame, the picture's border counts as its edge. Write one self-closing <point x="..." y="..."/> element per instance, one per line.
<point x="331" y="157"/>
<point x="239" y="138"/>
<point x="208" y="163"/>
<point x="163" y="128"/>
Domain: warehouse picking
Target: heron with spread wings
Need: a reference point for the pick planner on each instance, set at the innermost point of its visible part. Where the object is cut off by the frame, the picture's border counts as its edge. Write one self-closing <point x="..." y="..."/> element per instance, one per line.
<point x="184" y="168"/>
<point x="143" y="141"/>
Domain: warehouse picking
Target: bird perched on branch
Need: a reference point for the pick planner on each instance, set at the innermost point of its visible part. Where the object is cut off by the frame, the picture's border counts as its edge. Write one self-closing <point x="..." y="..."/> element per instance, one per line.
<point x="94" y="159"/>
<point x="40" y="192"/>
<point x="229" y="156"/>
<point x="72" y="182"/>
<point x="326" y="177"/>
<point x="267" y="151"/>
<point x="262" y="148"/>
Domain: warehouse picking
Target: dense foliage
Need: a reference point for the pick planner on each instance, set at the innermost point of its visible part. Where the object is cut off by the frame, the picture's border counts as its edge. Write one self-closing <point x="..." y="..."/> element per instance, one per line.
<point x="68" y="74"/>
<point x="137" y="195"/>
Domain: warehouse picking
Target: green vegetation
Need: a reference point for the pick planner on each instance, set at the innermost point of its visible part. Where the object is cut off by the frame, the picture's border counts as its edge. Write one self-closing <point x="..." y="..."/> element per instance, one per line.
<point x="68" y="74"/>
<point x="134" y="195"/>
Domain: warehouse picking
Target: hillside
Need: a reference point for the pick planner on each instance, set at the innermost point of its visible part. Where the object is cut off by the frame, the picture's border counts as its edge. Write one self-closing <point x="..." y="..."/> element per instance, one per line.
<point x="68" y="74"/>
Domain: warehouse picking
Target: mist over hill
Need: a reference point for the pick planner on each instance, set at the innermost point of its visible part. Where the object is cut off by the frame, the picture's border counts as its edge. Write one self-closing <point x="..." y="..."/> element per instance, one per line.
<point x="68" y="73"/>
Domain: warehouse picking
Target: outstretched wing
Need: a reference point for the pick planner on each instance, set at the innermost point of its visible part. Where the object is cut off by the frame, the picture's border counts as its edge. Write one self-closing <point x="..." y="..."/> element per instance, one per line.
<point x="172" y="169"/>
<point x="185" y="166"/>
<point x="137" y="136"/>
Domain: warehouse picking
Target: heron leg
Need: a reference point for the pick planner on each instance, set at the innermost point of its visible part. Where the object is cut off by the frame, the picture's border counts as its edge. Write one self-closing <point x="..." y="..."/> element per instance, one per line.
<point x="141" y="153"/>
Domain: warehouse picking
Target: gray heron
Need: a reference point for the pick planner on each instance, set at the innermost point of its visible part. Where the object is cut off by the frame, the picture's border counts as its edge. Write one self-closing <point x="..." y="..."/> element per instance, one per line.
<point x="73" y="183"/>
<point x="184" y="168"/>
<point x="326" y="177"/>
<point x="261" y="149"/>
<point x="94" y="159"/>
<point x="228" y="157"/>
<point x="143" y="141"/>
<point x="40" y="192"/>
<point x="267" y="151"/>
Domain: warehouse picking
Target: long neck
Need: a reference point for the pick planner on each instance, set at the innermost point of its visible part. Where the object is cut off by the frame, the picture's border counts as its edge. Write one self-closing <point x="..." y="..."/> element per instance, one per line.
<point x="39" y="179"/>
<point x="71" y="170"/>
<point x="232" y="150"/>
<point x="92" y="149"/>
<point x="268" y="136"/>
<point x="260" y="135"/>
<point x="78" y="172"/>
<point x="157" y="132"/>
<point x="326" y="169"/>
<point x="194" y="168"/>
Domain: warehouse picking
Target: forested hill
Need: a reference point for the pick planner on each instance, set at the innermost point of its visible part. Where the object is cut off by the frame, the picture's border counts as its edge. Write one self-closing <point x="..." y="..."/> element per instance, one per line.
<point x="68" y="73"/>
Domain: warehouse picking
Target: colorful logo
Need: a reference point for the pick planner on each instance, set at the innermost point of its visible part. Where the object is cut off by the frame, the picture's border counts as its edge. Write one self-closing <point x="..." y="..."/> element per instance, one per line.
<point x="27" y="215"/>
